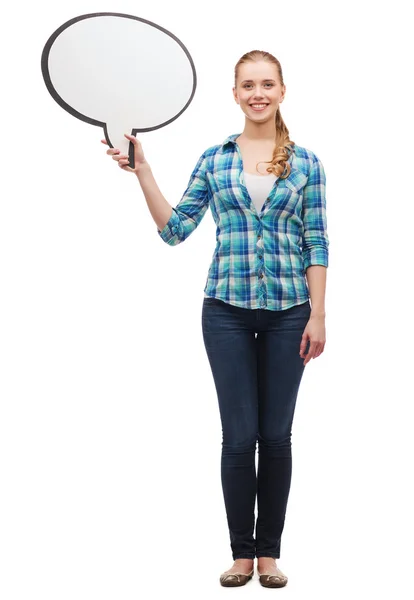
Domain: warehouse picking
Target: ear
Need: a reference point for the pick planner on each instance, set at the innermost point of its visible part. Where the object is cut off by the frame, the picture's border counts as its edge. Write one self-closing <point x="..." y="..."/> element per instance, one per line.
<point x="235" y="95"/>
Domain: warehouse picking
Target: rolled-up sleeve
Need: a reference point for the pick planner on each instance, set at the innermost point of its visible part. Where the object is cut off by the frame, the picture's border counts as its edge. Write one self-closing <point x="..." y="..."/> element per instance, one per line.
<point x="186" y="216"/>
<point x="315" y="247"/>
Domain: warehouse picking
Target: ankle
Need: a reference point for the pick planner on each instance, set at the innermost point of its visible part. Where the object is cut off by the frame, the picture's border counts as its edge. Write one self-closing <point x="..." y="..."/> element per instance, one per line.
<point x="266" y="560"/>
<point x="244" y="560"/>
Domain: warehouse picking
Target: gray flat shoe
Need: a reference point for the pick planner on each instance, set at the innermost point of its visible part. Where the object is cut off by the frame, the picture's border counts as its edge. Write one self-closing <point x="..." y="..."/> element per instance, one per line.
<point x="235" y="579"/>
<point x="273" y="580"/>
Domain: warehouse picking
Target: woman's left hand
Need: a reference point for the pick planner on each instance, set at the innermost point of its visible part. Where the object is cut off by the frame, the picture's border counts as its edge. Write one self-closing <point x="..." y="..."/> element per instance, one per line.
<point x="315" y="333"/>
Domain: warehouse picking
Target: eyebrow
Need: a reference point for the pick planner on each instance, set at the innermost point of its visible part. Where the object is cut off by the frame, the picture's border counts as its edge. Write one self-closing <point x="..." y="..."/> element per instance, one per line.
<point x="251" y="80"/>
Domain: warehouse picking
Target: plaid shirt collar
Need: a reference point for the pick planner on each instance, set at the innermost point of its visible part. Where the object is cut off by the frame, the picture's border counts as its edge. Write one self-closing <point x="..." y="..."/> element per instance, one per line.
<point x="231" y="139"/>
<point x="293" y="180"/>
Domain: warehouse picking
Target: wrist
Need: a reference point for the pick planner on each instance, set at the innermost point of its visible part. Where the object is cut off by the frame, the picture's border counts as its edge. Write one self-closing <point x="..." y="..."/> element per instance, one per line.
<point x="142" y="168"/>
<point x="318" y="313"/>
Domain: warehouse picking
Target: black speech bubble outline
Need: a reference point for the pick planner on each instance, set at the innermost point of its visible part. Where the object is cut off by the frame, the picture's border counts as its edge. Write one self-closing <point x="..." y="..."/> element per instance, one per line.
<point x="77" y="114"/>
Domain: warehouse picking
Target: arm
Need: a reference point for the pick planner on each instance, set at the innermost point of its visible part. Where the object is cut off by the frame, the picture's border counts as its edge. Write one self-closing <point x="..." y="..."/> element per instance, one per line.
<point x="315" y="236"/>
<point x="316" y="277"/>
<point x="158" y="206"/>
<point x="174" y="225"/>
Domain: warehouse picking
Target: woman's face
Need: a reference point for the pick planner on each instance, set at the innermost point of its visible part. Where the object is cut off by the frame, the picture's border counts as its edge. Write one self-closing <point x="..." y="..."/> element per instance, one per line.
<point x="258" y="84"/>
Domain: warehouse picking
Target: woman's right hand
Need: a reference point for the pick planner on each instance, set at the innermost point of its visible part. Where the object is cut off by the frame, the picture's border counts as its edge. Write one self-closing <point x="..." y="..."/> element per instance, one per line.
<point x="122" y="159"/>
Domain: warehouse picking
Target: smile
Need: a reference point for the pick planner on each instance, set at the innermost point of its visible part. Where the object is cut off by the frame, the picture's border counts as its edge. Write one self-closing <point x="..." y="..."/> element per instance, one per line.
<point x="258" y="107"/>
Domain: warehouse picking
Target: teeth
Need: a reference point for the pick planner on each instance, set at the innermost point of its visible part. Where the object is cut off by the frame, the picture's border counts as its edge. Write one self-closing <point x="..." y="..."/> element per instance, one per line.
<point x="259" y="105"/>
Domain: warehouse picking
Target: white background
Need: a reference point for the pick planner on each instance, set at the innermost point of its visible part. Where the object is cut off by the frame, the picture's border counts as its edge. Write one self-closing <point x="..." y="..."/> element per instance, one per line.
<point x="110" y="435"/>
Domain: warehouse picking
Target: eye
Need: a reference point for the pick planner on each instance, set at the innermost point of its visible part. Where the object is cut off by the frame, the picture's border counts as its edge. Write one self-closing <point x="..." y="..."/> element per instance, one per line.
<point x="246" y="85"/>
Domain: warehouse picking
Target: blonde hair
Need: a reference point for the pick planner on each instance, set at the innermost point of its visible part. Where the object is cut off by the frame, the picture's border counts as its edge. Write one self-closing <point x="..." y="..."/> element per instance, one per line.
<point x="283" y="144"/>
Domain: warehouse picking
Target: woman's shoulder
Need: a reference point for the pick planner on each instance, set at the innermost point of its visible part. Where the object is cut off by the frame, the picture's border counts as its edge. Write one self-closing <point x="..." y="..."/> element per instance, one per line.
<point x="227" y="142"/>
<point x="212" y="150"/>
<point x="304" y="158"/>
<point x="213" y="155"/>
<point x="304" y="153"/>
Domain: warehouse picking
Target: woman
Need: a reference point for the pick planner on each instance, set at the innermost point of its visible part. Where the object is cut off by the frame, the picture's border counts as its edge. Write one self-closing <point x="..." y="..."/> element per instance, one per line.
<point x="259" y="327"/>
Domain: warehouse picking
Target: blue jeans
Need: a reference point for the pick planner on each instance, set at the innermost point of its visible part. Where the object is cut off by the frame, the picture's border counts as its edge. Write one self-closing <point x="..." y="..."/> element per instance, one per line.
<point x="257" y="381"/>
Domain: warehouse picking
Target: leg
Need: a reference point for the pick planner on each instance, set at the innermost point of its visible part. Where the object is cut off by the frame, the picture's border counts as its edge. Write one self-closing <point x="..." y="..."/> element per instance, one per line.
<point x="231" y="351"/>
<point x="280" y="369"/>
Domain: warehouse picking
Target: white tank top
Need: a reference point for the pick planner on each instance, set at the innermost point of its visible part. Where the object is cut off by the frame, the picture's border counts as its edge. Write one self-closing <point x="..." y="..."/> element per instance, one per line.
<point x="258" y="187"/>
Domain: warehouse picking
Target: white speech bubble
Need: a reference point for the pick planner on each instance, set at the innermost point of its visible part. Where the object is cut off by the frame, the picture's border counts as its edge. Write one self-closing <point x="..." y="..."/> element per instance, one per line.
<point x="119" y="72"/>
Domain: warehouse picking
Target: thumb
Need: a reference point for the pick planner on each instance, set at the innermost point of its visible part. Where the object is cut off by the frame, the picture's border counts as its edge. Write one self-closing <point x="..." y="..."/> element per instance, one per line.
<point x="303" y="343"/>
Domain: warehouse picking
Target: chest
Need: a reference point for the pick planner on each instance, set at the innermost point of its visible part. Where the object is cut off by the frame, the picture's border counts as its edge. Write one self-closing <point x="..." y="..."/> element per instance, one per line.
<point x="258" y="155"/>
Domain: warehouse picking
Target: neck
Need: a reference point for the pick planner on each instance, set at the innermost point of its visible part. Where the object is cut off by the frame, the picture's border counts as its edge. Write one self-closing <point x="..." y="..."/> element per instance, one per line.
<point x="259" y="131"/>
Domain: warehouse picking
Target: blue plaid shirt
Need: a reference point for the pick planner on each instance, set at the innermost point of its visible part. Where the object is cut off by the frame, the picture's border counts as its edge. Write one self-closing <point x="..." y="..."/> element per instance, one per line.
<point x="260" y="260"/>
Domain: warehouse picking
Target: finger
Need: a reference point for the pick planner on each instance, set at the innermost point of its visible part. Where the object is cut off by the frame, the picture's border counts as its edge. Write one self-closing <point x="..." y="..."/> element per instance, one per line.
<point x="303" y="347"/>
<point x="132" y="139"/>
<point x="126" y="168"/>
<point x="116" y="155"/>
<point x="305" y="355"/>
<point x="311" y="352"/>
<point x="319" y="350"/>
<point x="307" y="359"/>
<point x="104" y="142"/>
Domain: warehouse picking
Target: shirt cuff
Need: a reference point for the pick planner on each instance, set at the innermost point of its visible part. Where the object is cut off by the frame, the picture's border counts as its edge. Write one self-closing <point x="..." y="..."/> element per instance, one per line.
<point x="317" y="256"/>
<point x="171" y="227"/>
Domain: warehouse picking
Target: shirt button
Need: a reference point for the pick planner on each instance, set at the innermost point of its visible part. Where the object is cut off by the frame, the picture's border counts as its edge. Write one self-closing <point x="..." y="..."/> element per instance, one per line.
<point x="259" y="236"/>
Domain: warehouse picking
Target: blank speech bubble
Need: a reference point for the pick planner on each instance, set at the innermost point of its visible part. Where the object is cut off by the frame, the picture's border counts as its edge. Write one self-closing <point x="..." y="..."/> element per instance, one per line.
<point x="119" y="72"/>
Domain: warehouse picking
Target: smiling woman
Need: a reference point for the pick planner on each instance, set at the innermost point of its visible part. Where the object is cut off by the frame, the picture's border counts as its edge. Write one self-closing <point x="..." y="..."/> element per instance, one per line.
<point x="267" y="198"/>
<point x="259" y="90"/>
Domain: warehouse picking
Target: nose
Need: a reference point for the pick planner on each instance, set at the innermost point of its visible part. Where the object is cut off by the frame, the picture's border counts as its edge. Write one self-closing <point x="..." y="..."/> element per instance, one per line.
<point x="257" y="94"/>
